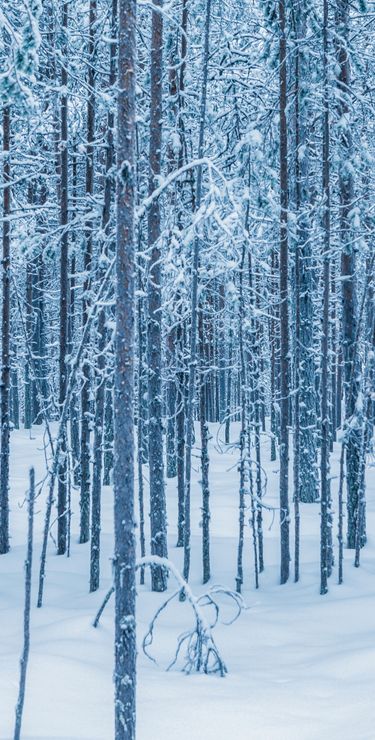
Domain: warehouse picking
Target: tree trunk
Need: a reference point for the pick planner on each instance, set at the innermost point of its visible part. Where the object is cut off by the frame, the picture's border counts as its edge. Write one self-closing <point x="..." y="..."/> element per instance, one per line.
<point x="324" y="447"/>
<point x="348" y="273"/>
<point x="85" y="392"/>
<point x="101" y="339"/>
<point x="307" y="463"/>
<point x="194" y="305"/>
<point x="5" y="330"/>
<point x="204" y="458"/>
<point x="64" y="287"/>
<point x="158" y="513"/>
<point x="284" y="332"/>
<point x="74" y="409"/>
<point x="124" y="554"/>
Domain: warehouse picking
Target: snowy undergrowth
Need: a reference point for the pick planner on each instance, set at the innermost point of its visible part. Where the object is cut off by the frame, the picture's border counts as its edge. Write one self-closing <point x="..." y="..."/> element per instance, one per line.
<point x="301" y="666"/>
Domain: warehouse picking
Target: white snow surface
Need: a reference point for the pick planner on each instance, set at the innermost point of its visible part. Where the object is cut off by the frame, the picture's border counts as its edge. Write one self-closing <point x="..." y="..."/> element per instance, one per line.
<point x="301" y="666"/>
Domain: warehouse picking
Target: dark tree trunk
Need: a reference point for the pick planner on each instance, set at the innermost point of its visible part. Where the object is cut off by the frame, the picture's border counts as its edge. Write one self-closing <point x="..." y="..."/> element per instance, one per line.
<point x="155" y="445"/>
<point x="180" y="434"/>
<point x="307" y="401"/>
<point x="74" y="408"/>
<point x="124" y="554"/>
<point x="108" y="434"/>
<point x="204" y="460"/>
<point x="5" y="330"/>
<point x="189" y="434"/>
<point x="228" y="388"/>
<point x="64" y="288"/>
<point x="85" y="392"/>
<point x="14" y="393"/>
<point x="27" y="608"/>
<point x="101" y="340"/>
<point x="273" y="369"/>
<point x="324" y="447"/>
<point x="171" y="402"/>
<point x="284" y="332"/>
<point x="28" y="369"/>
<point x="348" y="274"/>
<point x="140" y="430"/>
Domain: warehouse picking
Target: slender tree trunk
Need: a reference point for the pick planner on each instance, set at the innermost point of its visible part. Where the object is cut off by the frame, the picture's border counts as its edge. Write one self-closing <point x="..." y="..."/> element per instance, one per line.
<point x="204" y="461"/>
<point x="74" y="410"/>
<point x="181" y="327"/>
<point x="124" y="554"/>
<point x="27" y="609"/>
<point x="254" y="357"/>
<point x="180" y="433"/>
<point x="257" y="429"/>
<point x="253" y="508"/>
<point x="155" y="446"/>
<point x="273" y="379"/>
<point x="325" y="438"/>
<point x="64" y="287"/>
<point x="221" y="347"/>
<point x="307" y="401"/>
<point x="172" y="159"/>
<point x="194" y="305"/>
<point x="243" y="465"/>
<point x="108" y="434"/>
<point x="171" y="405"/>
<point x="35" y="341"/>
<point x="101" y="339"/>
<point x="333" y="363"/>
<point x="340" y="534"/>
<point x="140" y="428"/>
<point x="14" y="393"/>
<point x="5" y="330"/>
<point x="284" y="332"/>
<point x="228" y="387"/>
<point x="85" y="392"/>
<point x="348" y="271"/>
<point x="28" y="369"/>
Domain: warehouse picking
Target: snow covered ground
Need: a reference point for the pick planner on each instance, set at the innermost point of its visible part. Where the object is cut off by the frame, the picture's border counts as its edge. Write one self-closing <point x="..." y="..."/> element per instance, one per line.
<point x="301" y="666"/>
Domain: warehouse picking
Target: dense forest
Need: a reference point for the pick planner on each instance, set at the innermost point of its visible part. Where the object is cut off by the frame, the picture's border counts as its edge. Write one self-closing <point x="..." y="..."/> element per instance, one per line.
<point x="187" y="321"/>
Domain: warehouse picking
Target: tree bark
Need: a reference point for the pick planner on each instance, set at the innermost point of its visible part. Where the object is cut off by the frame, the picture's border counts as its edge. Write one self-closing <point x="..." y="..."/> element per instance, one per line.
<point x="194" y="305"/>
<point x="5" y="330"/>
<point x="158" y="513"/>
<point x="284" y="330"/>
<point x="86" y="386"/>
<point x="101" y="338"/>
<point x="124" y="554"/>
<point x="348" y="273"/>
<point x="64" y="286"/>
<point x="325" y="439"/>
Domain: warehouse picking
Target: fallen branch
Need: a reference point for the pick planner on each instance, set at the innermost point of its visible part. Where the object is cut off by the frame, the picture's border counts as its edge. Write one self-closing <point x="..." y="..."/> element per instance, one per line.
<point x="202" y="654"/>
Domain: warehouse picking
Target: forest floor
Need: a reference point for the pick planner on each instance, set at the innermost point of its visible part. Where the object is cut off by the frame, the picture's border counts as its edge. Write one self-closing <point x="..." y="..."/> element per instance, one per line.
<point x="301" y="666"/>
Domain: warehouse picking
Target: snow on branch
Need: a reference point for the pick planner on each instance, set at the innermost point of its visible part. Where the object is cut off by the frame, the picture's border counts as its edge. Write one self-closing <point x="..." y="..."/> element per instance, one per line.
<point x="19" y="50"/>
